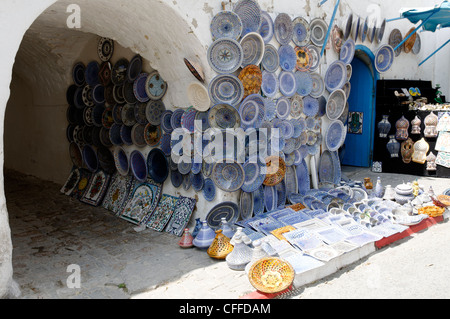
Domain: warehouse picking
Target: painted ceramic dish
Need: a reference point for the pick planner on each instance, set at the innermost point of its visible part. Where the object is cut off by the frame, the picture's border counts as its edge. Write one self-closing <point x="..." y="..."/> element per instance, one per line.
<point x="224" y="116"/>
<point x="154" y="111"/>
<point x="245" y="205"/>
<point x="326" y="168"/>
<point x="283" y="107"/>
<point x="269" y="84"/>
<point x="276" y="170"/>
<point x="304" y="83"/>
<point x="318" y="85"/>
<point x="336" y="104"/>
<point x="288" y="57"/>
<point x="364" y="29"/>
<point x="254" y="175"/>
<point x="270" y="198"/>
<point x="314" y="52"/>
<point x="119" y="71"/>
<point x="395" y="38"/>
<point x="271" y="59"/>
<point x="266" y="29"/>
<point x="337" y="39"/>
<point x="188" y="118"/>
<point x="157" y="165"/>
<point x="134" y="68"/>
<point x="78" y="74"/>
<point x="318" y="31"/>
<point x="198" y="96"/>
<point x="152" y="134"/>
<point x="226" y="88"/>
<point x="121" y="161"/>
<point x="355" y="28"/>
<point x="258" y="201"/>
<point x="284" y="29"/>
<point x="304" y="59"/>
<point x="301" y="32"/>
<point x="225" y="55"/>
<point x="296" y="111"/>
<point x="335" y="76"/>
<point x="252" y="111"/>
<point x="384" y="58"/>
<point x="347" y="26"/>
<point x="310" y="106"/>
<point x="195" y="68"/>
<point x="347" y="51"/>
<point x="409" y="43"/>
<point x="139" y="88"/>
<point x="137" y="135"/>
<point x="335" y="135"/>
<point x="380" y="31"/>
<point x="252" y="48"/>
<point x="155" y="86"/>
<point x="303" y="180"/>
<point x="250" y="14"/>
<point x="175" y="120"/>
<point x="105" y="49"/>
<point x="227" y="210"/>
<point x="251" y="79"/>
<point x="91" y="73"/>
<point x="287" y="83"/>
<point x="226" y="24"/>
<point x="229" y="176"/>
<point x="209" y="190"/>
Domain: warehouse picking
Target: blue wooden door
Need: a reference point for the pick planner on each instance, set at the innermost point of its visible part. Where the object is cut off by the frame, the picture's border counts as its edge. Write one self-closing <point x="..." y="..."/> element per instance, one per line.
<point x="358" y="144"/>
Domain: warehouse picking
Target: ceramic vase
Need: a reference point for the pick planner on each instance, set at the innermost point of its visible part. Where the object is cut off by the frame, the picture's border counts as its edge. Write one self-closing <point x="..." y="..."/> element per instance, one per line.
<point x="240" y="256"/>
<point x="220" y="247"/>
<point x="384" y="126"/>
<point x="186" y="239"/>
<point x="204" y="237"/>
<point x="402" y="126"/>
<point x="379" y="188"/>
<point x="393" y="146"/>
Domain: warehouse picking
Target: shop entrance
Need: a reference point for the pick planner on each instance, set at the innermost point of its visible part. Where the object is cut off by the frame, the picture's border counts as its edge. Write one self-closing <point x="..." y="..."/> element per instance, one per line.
<point x="359" y="142"/>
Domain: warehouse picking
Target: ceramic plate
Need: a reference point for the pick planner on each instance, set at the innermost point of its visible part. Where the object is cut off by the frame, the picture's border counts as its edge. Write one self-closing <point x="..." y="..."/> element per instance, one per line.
<point x="224" y="116"/>
<point x="384" y="58"/>
<point x="301" y="32"/>
<point x="319" y="30"/>
<point x="175" y="120"/>
<point x="380" y="31"/>
<point x="395" y="38"/>
<point x="209" y="190"/>
<point x="287" y="83"/>
<point x="326" y="168"/>
<point x="270" y="198"/>
<point x="250" y="14"/>
<point x="254" y="176"/>
<point x="155" y="86"/>
<point x="226" y="24"/>
<point x="266" y="29"/>
<point x="225" y="55"/>
<point x="296" y="110"/>
<point x="335" y="76"/>
<point x="154" y="111"/>
<point x="314" y="52"/>
<point x="228" y="177"/>
<point x="355" y="28"/>
<point x="196" y="69"/>
<point x="258" y="201"/>
<point x="347" y="51"/>
<point x="252" y="111"/>
<point x="284" y="29"/>
<point x="288" y="57"/>
<point x="139" y="88"/>
<point x="246" y="205"/>
<point x="335" y="135"/>
<point x="91" y="73"/>
<point x="364" y="29"/>
<point x="269" y="85"/>
<point x="252" y="45"/>
<point x="227" y="210"/>
<point x="251" y="79"/>
<point x="78" y="74"/>
<point x="283" y="107"/>
<point x="105" y="49"/>
<point x="176" y="178"/>
<point x="271" y="60"/>
<point x="119" y="71"/>
<point x="318" y="85"/>
<point x="303" y="180"/>
<point x="310" y="106"/>
<point x="188" y="118"/>
<point x="304" y="83"/>
<point x="347" y="26"/>
<point x="337" y="39"/>
<point x="337" y="167"/>
<point x="336" y="104"/>
<point x="304" y="59"/>
<point x="198" y="96"/>
<point x="226" y="88"/>
<point x="417" y="45"/>
<point x="409" y="43"/>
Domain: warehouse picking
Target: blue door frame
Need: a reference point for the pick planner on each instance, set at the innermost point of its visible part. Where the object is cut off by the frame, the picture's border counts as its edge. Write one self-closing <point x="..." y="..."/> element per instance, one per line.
<point x="369" y="114"/>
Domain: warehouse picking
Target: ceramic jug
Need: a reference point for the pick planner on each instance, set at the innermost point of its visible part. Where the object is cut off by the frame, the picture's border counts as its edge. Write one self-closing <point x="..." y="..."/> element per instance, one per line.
<point x="393" y="146"/>
<point x="384" y="126"/>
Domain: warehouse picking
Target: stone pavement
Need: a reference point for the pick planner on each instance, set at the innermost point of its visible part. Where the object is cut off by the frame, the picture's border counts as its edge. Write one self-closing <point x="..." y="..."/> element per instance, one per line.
<point x="51" y="231"/>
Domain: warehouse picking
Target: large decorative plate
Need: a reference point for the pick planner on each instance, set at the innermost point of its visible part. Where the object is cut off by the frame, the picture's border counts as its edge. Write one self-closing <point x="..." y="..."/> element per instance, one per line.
<point x="355" y="28"/>
<point x="380" y="31"/>
<point x="319" y="30"/>
<point x="252" y="111"/>
<point x="284" y="29"/>
<point x="224" y="116"/>
<point x="226" y="88"/>
<point x="225" y="55"/>
<point x="197" y="181"/>
<point x="119" y="71"/>
<point x="251" y="79"/>
<point x="137" y="135"/>
<point x="409" y="43"/>
<point x="288" y="57"/>
<point x="154" y="111"/>
<point x="314" y="52"/>
<point x="157" y="165"/>
<point x="304" y="83"/>
<point x="335" y="76"/>
<point x="252" y="48"/>
<point x="336" y="104"/>
<point x="335" y="135"/>
<point x="229" y="176"/>
<point x="347" y="51"/>
<point x="417" y="45"/>
<point x="283" y="107"/>
<point x="128" y="117"/>
<point x="105" y="49"/>
<point x="287" y="83"/>
<point x="250" y="14"/>
<point x="304" y="59"/>
<point x="139" y="113"/>
<point x="134" y="68"/>
<point x="254" y="175"/>
<point x="275" y="170"/>
<point x="395" y="38"/>
<point x="318" y="85"/>
<point x="270" y="111"/>
<point x="78" y="74"/>
<point x="176" y="178"/>
<point x="209" y="190"/>
<point x="269" y="84"/>
<point x="226" y="24"/>
<point x="303" y="180"/>
<point x="310" y="106"/>
<point x="201" y="121"/>
<point x="87" y="96"/>
<point x="245" y="205"/>
<point x="152" y="134"/>
<point x="266" y="28"/>
<point x="364" y="29"/>
<point x="291" y="181"/>
<point x="184" y="167"/>
<point x="296" y="108"/>
<point x="326" y="168"/>
<point x="155" y="86"/>
<point x="270" y="198"/>
<point x="337" y="167"/>
<point x="301" y="32"/>
<point x="384" y="58"/>
<point x="227" y="210"/>
<point x="258" y="201"/>
<point x="91" y="73"/>
<point x="139" y="88"/>
<point x="271" y="60"/>
<point x="166" y="124"/>
<point x="347" y="26"/>
<point x="165" y="146"/>
<point x="198" y="96"/>
<point x="188" y="118"/>
<point x="322" y="106"/>
<point x="337" y="39"/>
<point x="104" y="74"/>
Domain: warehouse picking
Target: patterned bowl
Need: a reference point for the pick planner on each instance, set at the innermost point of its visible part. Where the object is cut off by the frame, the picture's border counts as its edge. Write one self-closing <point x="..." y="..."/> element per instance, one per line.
<point x="271" y="275"/>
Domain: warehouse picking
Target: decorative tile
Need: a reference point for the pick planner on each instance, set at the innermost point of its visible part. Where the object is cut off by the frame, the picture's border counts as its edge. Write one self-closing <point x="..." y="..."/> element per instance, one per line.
<point x="85" y="177"/>
<point x="96" y="189"/>
<point x="163" y="212"/>
<point x="72" y="182"/>
<point x="118" y="191"/>
<point x="182" y="213"/>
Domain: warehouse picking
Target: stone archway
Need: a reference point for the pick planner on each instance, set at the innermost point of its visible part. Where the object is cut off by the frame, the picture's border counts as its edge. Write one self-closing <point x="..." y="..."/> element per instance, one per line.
<point x="42" y="49"/>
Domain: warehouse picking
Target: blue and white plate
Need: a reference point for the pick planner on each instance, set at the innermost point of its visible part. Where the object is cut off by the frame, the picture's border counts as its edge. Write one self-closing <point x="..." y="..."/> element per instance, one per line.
<point x="270" y="198"/>
<point x="252" y="45"/>
<point x="269" y="85"/>
<point x="250" y="14"/>
<point x="258" y="201"/>
<point x="326" y="168"/>
<point x="296" y="106"/>
<point x="335" y="76"/>
<point x="224" y="116"/>
<point x="336" y="104"/>
<point x="283" y="107"/>
<point x="302" y="32"/>
<point x="226" y="88"/>
<point x="209" y="190"/>
<point x="245" y="205"/>
<point x="304" y="83"/>
<point x="281" y="194"/>
<point x="337" y="167"/>
<point x="175" y="119"/>
<point x="134" y="68"/>
<point x="335" y="135"/>
<point x="254" y="176"/>
<point x="287" y="83"/>
<point x="322" y="106"/>
<point x="227" y="210"/>
<point x="271" y="60"/>
<point x="229" y="176"/>
<point x="384" y="58"/>
<point x="225" y="55"/>
<point x="364" y="28"/>
<point x="310" y="106"/>
<point x="303" y="180"/>
<point x="78" y="74"/>
<point x="197" y="181"/>
<point x="252" y="111"/>
<point x="347" y="51"/>
<point x="166" y="124"/>
<point x="176" y="178"/>
<point x="139" y="88"/>
<point x="226" y="24"/>
<point x="271" y="110"/>
<point x="155" y="86"/>
<point x="184" y="167"/>
<point x="314" y="53"/>
<point x="319" y="30"/>
<point x="318" y="85"/>
<point x="290" y="180"/>
<point x="288" y="57"/>
<point x="201" y="121"/>
<point x="266" y="28"/>
<point x="283" y="28"/>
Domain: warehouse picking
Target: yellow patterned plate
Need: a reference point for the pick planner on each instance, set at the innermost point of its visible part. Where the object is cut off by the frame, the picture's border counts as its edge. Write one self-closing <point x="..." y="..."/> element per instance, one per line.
<point x="251" y="78"/>
<point x="271" y="275"/>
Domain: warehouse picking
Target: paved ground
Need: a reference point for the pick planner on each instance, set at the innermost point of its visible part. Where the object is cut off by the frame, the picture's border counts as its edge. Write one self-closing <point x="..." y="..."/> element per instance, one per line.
<point x="51" y="231"/>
